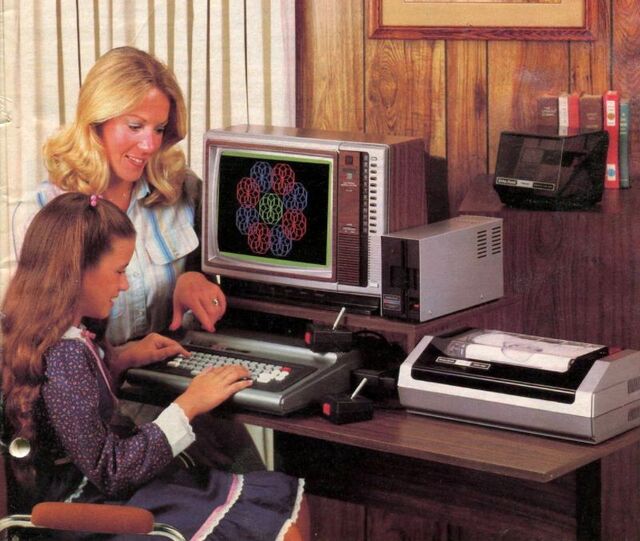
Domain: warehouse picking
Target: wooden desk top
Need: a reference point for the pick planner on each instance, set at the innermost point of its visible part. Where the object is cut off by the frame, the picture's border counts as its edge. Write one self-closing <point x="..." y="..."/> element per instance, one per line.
<point x="480" y="448"/>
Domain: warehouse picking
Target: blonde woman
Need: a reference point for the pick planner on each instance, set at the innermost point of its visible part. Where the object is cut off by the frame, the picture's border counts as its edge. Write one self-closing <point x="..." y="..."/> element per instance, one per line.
<point x="122" y="146"/>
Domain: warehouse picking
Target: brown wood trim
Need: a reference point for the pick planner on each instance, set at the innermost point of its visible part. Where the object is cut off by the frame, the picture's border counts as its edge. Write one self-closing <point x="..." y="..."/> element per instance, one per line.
<point x="407" y="333"/>
<point x="377" y="29"/>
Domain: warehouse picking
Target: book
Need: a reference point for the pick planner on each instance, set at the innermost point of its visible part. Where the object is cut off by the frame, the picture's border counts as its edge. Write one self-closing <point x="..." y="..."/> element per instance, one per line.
<point x="610" y="106"/>
<point x="590" y="112"/>
<point x="568" y="112"/>
<point x="623" y="142"/>
<point x="563" y="113"/>
<point x="547" y="112"/>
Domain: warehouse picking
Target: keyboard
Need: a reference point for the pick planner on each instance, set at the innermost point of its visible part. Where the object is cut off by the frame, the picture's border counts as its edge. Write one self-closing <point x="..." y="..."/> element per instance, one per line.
<point x="287" y="376"/>
<point x="268" y="375"/>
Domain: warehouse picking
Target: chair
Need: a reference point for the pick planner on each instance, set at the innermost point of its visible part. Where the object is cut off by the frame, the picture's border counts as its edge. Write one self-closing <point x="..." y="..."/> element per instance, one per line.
<point x="82" y="517"/>
<point x="88" y="517"/>
<point x="78" y="517"/>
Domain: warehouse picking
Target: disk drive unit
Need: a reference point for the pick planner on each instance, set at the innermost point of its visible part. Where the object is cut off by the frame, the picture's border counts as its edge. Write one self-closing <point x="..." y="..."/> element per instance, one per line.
<point x="433" y="270"/>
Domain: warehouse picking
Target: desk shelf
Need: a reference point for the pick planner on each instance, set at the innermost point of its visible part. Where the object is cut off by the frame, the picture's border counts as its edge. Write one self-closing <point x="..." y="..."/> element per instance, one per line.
<point x="492" y="450"/>
<point x="405" y="333"/>
<point x="417" y="476"/>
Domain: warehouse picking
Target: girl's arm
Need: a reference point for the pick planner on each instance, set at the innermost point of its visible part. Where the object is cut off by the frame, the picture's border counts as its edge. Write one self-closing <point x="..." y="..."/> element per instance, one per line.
<point x="73" y="401"/>
<point x="116" y="464"/>
<point x="152" y="348"/>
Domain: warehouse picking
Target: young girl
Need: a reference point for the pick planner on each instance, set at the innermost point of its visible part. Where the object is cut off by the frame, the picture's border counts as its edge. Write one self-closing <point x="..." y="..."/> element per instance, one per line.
<point x="59" y="385"/>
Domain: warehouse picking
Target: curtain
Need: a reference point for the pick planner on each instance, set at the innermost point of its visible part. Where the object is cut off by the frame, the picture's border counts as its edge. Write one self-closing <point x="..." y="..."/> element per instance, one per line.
<point x="234" y="60"/>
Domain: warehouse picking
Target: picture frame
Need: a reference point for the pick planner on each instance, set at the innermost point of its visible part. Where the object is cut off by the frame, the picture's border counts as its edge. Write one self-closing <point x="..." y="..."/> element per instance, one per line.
<point x="557" y="20"/>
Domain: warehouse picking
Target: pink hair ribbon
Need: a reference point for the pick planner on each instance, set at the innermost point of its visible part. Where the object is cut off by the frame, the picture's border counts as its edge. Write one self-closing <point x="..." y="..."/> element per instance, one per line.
<point x="94" y="199"/>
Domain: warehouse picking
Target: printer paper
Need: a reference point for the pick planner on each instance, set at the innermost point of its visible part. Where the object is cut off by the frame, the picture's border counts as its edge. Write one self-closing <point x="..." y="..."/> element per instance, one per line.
<point x="519" y="350"/>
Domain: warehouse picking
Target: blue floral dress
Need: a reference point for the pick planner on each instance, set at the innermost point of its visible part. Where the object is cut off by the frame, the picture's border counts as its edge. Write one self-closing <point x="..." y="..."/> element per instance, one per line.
<point x="90" y="457"/>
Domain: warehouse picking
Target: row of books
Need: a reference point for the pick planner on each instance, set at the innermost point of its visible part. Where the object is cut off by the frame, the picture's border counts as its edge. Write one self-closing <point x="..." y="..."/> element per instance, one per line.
<point x="587" y="112"/>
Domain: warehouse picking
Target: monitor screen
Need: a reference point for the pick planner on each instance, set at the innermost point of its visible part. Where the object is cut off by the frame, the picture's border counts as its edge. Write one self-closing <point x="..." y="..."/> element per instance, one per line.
<point x="275" y="209"/>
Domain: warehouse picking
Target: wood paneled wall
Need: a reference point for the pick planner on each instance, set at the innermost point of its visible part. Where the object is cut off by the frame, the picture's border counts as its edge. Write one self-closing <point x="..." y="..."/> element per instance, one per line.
<point x="456" y="94"/>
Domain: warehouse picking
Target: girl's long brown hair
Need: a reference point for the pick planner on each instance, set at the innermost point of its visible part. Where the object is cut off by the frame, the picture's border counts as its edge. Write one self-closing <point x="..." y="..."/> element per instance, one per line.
<point x="68" y="236"/>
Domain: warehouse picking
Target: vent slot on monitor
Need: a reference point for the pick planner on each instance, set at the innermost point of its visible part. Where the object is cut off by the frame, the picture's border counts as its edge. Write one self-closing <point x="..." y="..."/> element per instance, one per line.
<point x="350" y="257"/>
<point x="372" y="194"/>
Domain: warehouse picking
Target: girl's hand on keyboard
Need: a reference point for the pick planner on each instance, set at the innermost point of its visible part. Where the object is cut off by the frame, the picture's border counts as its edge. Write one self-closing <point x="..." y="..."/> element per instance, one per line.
<point x="152" y="348"/>
<point x="211" y="388"/>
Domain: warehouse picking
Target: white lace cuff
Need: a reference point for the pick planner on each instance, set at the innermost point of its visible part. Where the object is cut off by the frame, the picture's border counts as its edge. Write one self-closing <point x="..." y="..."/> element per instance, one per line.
<point x="176" y="427"/>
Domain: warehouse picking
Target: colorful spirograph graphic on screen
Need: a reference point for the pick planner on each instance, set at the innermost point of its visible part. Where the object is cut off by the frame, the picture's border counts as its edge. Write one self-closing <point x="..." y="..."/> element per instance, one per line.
<point x="271" y="212"/>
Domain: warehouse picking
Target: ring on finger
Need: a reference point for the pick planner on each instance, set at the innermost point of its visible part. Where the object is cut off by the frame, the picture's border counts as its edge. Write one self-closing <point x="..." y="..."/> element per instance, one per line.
<point x="215" y="301"/>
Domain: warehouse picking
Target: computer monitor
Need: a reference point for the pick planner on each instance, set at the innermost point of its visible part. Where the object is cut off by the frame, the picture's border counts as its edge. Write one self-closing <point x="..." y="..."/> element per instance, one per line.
<point x="298" y="215"/>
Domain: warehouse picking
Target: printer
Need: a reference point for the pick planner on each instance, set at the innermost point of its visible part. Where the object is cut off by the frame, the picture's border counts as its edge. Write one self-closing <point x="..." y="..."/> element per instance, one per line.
<point x="558" y="388"/>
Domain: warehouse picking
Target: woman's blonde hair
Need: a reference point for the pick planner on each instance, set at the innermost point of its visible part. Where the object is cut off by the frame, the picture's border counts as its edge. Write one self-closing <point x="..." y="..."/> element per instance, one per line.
<point x="66" y="237"/>
<point x="118" y="81"/>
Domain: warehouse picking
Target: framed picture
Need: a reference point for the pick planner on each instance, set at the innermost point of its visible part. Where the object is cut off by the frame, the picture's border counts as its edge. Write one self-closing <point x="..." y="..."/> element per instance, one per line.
<point x="483" y="19"/>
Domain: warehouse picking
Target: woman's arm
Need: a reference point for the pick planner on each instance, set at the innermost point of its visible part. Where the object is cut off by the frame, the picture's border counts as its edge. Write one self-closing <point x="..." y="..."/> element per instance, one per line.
<point x="204" y="298"/>
<point x="193" y="291"/>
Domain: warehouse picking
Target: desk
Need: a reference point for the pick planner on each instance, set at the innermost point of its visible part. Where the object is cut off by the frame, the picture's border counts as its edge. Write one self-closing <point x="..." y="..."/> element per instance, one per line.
<point x="570" y="275"/>
<point x="406" y="476"/>
<point x="410" y="477"/>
